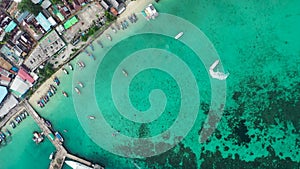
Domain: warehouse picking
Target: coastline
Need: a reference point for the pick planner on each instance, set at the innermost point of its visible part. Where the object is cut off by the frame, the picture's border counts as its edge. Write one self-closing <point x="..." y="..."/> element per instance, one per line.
<point x="132" y="7"/>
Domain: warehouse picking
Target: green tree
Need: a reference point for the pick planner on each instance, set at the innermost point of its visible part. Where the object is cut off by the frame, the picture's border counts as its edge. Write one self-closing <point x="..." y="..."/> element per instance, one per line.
<point x="28" y="5"/>
<point x="109" y="16"/>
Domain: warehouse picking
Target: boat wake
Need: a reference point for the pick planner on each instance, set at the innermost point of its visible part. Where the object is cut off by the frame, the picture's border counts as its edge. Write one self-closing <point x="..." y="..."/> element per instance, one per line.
<point x="217" y="75"/>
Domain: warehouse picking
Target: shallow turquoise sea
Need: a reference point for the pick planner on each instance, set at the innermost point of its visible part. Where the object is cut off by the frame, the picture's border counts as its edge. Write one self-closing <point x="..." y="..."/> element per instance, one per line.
<point x="257" y="43"/>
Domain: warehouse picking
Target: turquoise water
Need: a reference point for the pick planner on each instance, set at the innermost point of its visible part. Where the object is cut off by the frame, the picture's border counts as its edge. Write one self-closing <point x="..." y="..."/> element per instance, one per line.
<point x="258" y="43"/>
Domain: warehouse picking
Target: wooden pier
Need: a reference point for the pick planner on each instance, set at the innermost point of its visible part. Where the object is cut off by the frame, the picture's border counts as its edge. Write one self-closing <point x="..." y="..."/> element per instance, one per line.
<point x="61" y="153"/>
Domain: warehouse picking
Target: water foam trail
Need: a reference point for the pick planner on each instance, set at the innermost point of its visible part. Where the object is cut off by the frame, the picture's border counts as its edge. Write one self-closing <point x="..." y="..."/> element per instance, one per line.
<point x="217" y="75"/>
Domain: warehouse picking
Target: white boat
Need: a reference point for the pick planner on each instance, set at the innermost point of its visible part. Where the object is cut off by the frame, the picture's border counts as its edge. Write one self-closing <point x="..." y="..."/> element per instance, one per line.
<point x="217" y="75"/>
<point x="65" y="71"/>
<point x="77" y="90"/>
<point x="108" y="37"/>
<point x="76" y="165"/>
<point x="124" y="72"/>
<point x="80" y="84"/>
<point x="178" y="35"/>
<point x="51" y="156"/>
<point x="70" y="66"/>
<point x="92" y="117"/>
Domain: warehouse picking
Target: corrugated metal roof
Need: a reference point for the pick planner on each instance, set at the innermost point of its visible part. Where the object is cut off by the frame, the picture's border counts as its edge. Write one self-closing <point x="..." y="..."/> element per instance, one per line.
<point x="43" y="21"/>
<point x="10" y="26"/>
<point x="3" y="93"/>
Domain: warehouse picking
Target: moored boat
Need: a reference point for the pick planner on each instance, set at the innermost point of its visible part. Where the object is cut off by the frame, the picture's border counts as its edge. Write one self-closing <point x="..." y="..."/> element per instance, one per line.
<point x="65" y="71"/>
<point x="92" y="46"/>
<point x="113" y="29"/>
<point x="7" y="132"/>
<point x="70" y="66"/>
<point x="109" y="37"/>
<point x="178" y="35"/>
<point x="77" y="90"/>
<point x="59" y="137"/>
<point x="80" y="84"/>
<point x="92" y="117"/>
<point x="56" y="81"/>
<point x="12" y="124"/>
<point x="99" y="43"/>
<point x="51" y="156"/>
<point x="124" y="72"/>
<point x="65" y="93"/>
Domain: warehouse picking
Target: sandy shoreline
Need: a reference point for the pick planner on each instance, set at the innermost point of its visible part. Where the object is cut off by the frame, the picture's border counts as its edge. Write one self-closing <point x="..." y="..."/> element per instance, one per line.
<point x="132" y="7"/>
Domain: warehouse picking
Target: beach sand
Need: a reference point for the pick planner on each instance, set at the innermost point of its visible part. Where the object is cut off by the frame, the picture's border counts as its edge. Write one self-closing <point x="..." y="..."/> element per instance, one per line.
<point x="132" y="7"/>
<point x="43" y="89"/>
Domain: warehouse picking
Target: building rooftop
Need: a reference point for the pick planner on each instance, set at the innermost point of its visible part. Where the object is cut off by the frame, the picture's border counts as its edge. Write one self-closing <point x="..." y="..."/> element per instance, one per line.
<point x="25" y="76"/>
<point x="3" y="93"/>
<point x="46" y="4"/>
<point x="10" y="26"/>
<point x="46" y="25"/>
<point x="8" y="104"/>
<point x="48" y="46"/>
<point x="70" y="22"/>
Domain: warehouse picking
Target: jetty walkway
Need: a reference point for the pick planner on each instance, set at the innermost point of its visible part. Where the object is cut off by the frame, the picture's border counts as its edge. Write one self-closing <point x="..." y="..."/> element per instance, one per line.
<point x="61" y="152"/>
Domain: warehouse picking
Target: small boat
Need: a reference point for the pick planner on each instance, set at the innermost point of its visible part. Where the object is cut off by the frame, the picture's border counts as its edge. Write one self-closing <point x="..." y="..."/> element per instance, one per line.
<point x="70" y="66"/>
<point x="92" y="117"/>
<point x="12" y="124"/>
<point x="178" y="35"/>
<point x="122" y="26"/>
<point x="134" y="17"/>
<point x="48" y="123"/>
<point x="108" y="37"/>
<point x="53" y="88"/>
<point x="92" y="56"/>
<point x="64" y="93"/>
<point x="59" y="137"/>
<point x="126" y="23"/>
<point x="80" y="84"/>
<point x="118" y="26"/>
<point x="7" y="132"/>
<point x="80" y="64"/>
<point x="2" y="135"/>
<point x="113" y="29"/>
<point x="49" y="93"/>
<point x="124" y="72"/>
<point x="26" y="113"/>
<point x="99" y="43"/>
<point x="23" y="116"/>
<point x="51" y="156"/>
<point x="77" y="90"/>
<point x="56" y="81"/>
<point x="65" y="71"/>
<point x="37" y="137"/>
<point x="130" y="19"/>
<point x="92" y="46"/>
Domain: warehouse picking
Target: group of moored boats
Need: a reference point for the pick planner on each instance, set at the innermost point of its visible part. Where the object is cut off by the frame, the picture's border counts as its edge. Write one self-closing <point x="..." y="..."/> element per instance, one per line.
<point x="4" y="134"/>
<point x="124" y="23"/>
<point x="90" y="55"/>
<point x="50" y="92"/>
<point x="18" y="119"/>
<point x="38" y="137"/>
<point x="77" y="89"/>
<point x="80" y="64"/>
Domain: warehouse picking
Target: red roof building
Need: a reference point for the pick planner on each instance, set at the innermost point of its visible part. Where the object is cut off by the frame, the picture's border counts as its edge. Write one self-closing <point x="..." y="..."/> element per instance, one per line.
<point x="25" y="76"/>
<point x="113" y="11"/>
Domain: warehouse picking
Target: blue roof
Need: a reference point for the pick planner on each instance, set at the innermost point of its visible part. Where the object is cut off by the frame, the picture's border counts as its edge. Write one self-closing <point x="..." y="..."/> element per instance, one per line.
<point x="22" y="16"/>
<point x="43" y="21"/>
<point x="3" y="93"/>
<point x="10" y="26"/>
